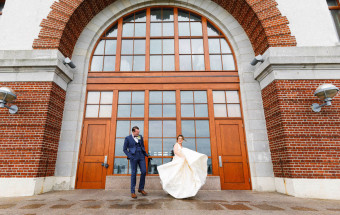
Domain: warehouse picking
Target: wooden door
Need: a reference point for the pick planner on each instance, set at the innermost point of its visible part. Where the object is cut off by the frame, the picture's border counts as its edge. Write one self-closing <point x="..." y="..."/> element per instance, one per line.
<point x="232" y="155"/>
<point x="94" y="147"/>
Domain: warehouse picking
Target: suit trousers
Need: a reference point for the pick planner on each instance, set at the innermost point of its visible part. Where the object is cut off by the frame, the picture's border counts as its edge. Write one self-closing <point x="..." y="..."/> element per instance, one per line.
<point x="138" y="159"/>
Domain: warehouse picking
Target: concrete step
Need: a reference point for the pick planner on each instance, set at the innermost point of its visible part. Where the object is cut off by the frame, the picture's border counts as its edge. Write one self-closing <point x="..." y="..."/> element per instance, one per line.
<point x="114" y="182"/>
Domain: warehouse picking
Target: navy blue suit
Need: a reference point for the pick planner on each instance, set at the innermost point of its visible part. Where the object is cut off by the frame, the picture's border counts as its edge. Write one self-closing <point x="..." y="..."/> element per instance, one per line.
<point x="136" y="153"/>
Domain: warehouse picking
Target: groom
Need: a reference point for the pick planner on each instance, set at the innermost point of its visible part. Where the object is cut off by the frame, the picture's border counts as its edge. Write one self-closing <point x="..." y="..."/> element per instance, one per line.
<point x="135" y="151"/>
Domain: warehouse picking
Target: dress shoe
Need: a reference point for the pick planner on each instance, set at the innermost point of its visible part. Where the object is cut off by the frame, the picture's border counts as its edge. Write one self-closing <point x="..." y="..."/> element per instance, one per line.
<point x="133" y="195"/>
<point x="142" y="192"/>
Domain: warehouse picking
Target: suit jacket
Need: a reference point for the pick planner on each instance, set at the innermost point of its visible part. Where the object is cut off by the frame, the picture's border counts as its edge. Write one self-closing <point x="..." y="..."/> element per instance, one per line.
<point x="130" y="146"/>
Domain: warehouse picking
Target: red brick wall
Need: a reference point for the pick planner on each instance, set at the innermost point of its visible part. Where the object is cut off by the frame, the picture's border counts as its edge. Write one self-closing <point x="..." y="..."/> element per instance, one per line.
<point x="29" y="139"/>
<point x="261" y="20"/>
<point x="303" y="144"/>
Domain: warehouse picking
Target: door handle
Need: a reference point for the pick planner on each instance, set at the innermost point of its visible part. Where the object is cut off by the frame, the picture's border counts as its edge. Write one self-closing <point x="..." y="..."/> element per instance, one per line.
<point x="105" y="164"/>
<point x="220" y="160"/>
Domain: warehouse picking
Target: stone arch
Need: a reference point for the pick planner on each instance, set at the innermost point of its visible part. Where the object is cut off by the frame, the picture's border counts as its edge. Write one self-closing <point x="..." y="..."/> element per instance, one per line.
<point x="261" y="20"/>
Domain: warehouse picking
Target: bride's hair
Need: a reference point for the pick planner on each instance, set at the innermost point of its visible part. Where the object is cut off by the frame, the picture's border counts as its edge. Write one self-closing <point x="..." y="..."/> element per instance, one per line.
<point x="180" y="136"/>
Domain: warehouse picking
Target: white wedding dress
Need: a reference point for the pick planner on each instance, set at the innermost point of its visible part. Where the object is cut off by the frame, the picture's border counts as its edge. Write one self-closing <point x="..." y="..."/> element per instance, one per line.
<point x="183" y="177"/>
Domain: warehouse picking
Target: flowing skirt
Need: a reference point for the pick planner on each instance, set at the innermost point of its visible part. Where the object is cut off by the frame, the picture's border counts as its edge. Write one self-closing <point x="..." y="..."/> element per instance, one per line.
<point x="182" y="178"/>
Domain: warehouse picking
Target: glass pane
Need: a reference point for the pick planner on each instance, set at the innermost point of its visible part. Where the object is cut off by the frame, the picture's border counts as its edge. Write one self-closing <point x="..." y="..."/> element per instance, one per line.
<point x="232" y="97"/>
<point x="155" y="111"/>
<point x="156" y="29"/>
<point x="126" y="63"/>
<point x="156" y="63"/>
<point x="156" y="97"/>
<point x="168" y="47"/>
<point x="137" y="111"/>
<point x="105" y="110"/>
<point x="224" y="46"/>
<point x="194" y="17"/>
<point x="183" y="15"/>
<point x="332" y="2"/>
<point x="228" y="62"/>
<point x="187" y="97"/>
<point x="169" y="110"/>
<point x="203" y="146"/>
<point x="155" y="46"/>
<point x="218" y="96"/>
<point x="168" y="14"/>
<point x="140" y="29"/>
<point x="124" y="97"/>
<point x="200" y="96"/>
<point x="92" y="110"/>
<point x="202" y="128"/>
<point x="100" y="48"/>
<point x="127" y="47"/>
<point x="166" y="160"/>
<point x="209" y="166"/>
<point x="119" y="147"/>
<point x="214" y="46"/>
<point x="184" y="46"/>
<point x="215" y="62"/>
<point x="123" y="128"/>
<point x="168" y="29"/>
<point x="183" y="29"/>
<point x="156" y="15"/>
<point x="168" y="62"/>
<point x="139" y="63"/>
<point x="185" y="62"/>
<point x="196" y="29"/>
<point x="198" y="62"/>
<point x="123" y="111"/>
<point x="128" y="29"/>
<point x="138" y="97"/>
<point x="106" y="98"/>
<point x="212" y="31"/>
<point x="97" y="63"/>
<point x="109" y="63"/>
<point x="120" y="166"/>
<point x="112" y="32"/>
<point x="153" y="163"/>
<point x="234" y="110"/>
<point x="155" y="128"/>
<point x="197" y="46"/>
<point x="139" y="47"/>
<point x="188" y="128"/>
<point x="129" y="18"/>
<point x="140" y="16"/>
<point x="169" y="97"/>
<point x="187" y="110"/>
<point x="201" y="110"/>
<point x="93" y="97"/>
<point x="155" y="147"/>
<point x="189" y="143"/>
<point x="110" y="47"/>
<point x="220" y="110"/>
<point x="169" y="128"/>
<point x="168" y="145"/>
<point x="139" y="124"/>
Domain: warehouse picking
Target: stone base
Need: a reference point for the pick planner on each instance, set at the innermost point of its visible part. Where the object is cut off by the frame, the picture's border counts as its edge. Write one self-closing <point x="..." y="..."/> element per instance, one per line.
<point x="153" y="183"/>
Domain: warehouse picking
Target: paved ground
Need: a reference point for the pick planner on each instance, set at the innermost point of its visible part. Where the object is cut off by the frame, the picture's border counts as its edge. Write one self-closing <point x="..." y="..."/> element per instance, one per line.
<point x="157" y="202"/>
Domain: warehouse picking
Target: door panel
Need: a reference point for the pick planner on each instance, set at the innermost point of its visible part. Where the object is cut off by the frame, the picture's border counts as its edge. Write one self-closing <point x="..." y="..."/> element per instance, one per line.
<point x="94" y="148"/>
<point x="234" y="172"/>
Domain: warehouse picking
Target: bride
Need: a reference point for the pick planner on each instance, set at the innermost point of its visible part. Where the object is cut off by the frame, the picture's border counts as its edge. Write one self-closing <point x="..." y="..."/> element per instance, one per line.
<point x="185" y="174"/>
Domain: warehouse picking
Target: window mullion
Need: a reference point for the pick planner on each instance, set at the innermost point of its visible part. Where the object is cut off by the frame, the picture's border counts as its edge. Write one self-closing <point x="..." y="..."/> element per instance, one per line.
<point x="119" y="44"/>
<point x="205" y="44"/>
<point x="147" y="40"/>
<point x="176" y="39"/>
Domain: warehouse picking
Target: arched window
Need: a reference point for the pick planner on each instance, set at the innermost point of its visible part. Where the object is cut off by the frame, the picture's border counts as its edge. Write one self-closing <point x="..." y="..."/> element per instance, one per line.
<point x="162" y="39"/>
<point x="334" y="7"/>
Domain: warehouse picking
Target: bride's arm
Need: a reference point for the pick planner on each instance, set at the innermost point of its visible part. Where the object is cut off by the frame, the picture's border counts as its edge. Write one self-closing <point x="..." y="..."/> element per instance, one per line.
<point x="177" y="151"/>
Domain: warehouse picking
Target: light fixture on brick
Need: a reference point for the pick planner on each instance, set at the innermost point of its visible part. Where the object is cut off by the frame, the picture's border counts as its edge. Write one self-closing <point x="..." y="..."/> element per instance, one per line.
<point x="7" y="95"/>
<point x="324" y="92"/>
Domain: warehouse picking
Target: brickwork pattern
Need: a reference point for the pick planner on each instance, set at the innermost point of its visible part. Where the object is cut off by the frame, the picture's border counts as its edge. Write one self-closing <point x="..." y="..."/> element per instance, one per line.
<point x="303" y="144"/>
<point x="29" y="139"/>
<point x="261" y="20"/>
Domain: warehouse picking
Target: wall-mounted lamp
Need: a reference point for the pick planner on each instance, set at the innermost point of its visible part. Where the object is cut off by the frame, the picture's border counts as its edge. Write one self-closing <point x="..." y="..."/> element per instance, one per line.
<point x="324" y="92"/>
<point x="257" y="59"/>
<point x="7" y="95"/>
<point x="69" y="62"/>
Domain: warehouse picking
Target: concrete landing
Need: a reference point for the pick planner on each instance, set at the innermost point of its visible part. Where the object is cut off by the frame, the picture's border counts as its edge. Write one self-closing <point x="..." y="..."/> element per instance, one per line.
<point x="154" y="183"/>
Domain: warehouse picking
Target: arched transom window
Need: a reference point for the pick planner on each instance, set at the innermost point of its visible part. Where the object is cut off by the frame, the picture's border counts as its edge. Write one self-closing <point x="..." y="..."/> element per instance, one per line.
<point x="162" y="39"/>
